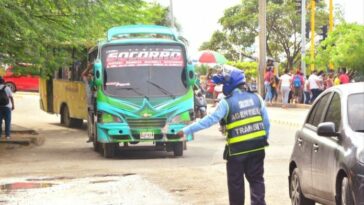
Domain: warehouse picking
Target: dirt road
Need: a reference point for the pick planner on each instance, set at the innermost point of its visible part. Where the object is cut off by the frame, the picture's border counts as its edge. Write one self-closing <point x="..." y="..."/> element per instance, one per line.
<point x="66" y="169"/>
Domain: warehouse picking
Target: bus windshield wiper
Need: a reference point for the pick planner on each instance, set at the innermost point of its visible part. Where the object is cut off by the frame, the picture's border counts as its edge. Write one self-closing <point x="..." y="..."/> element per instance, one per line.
<point x="134" y="90"/>
<point x="162" y="89"/>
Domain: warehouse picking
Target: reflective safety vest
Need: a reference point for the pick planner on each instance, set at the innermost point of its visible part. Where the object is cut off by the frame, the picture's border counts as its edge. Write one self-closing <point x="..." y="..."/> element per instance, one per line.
<point x="244" y="124"/>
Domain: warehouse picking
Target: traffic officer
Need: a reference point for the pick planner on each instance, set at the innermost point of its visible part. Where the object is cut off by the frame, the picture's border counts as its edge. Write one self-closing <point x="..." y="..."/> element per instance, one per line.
<point x="247" y="130"/>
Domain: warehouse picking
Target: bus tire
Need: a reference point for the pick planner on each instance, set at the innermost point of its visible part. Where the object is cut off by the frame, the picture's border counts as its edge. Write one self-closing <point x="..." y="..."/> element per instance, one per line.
<point x="90" y="128"/>
<point x="109" y="150"/>
<point x="65" y="116"/>
<point x="178" y="149"/>
<point x="97" y="145"/>
<point x="67" y="120"/>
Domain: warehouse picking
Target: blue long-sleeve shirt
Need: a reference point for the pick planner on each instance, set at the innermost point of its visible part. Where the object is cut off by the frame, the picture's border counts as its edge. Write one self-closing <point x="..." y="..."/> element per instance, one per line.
<point x="220" y="112"/>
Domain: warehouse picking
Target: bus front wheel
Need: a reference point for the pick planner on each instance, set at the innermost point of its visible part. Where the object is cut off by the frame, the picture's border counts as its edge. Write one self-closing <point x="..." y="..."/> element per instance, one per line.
<point x="109" y="149"/>
<point x="178" y="149"/>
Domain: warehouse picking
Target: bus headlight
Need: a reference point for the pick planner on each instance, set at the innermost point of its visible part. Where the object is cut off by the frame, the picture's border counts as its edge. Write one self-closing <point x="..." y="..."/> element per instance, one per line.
<point x="108" y="118"/>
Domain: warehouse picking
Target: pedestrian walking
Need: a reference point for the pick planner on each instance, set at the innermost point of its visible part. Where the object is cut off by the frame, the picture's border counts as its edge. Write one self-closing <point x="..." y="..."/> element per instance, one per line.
<point x="275" y="88"/>
<point x="329" y="82"/>
<point x="6" y="106"/>
<point x="307" y="91"/>
<point x="285" y="86"/>
<point x="268" y="81"/>
<point x="321" y="81"/>
<point x="247" y="127"/>
<point x="344" y="78"/>
<point x="314" y="83"/>
<point x="297" y="85"/>
<point x="87" y="77"/>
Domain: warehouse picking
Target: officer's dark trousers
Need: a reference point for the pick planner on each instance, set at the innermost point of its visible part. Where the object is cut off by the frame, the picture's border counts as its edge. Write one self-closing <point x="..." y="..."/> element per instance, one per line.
<point x="252" y="165"/>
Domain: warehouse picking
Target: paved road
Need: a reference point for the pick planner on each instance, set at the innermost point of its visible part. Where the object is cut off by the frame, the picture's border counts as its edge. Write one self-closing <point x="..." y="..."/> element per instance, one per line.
<point x="68" y="170"/>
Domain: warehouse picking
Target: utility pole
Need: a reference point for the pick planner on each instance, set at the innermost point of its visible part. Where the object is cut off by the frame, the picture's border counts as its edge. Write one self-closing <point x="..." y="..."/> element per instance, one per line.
<point x="303" y="36"/>
<point x="312" y="51"/>
<point x="331" y="24"/>
<point x="262" y="44"/>
<point x="331" y="17"/>
<point x="171" y="13"/>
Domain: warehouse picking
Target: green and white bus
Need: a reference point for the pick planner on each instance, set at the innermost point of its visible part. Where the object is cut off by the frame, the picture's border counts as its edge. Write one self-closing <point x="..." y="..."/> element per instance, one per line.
<point x="144" y="90"/>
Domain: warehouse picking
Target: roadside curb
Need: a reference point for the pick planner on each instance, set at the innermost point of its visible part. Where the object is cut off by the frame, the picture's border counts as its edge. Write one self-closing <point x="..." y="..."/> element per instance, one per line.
<point x="288" y="123"/>
<point x="22" y="136"/>
<point x="301" y="106"/>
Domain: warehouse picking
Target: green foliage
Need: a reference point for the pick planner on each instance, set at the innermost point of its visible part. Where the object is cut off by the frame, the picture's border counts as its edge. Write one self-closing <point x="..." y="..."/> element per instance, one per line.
<point x="344" y="47"/>
<point x="53" y="34"/>
<point x="201" y="69"/>
<point x="240" y="28"/>
<point x="250" y="68"/>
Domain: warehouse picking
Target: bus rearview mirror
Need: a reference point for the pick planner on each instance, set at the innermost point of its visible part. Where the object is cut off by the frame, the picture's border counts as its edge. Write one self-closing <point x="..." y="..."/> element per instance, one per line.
<point x="98" y="73"/>
<point x="191" y="75"/>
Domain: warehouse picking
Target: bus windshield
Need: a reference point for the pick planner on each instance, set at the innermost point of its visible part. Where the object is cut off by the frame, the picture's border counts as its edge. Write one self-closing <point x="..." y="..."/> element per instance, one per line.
<point x="144" y="70"/>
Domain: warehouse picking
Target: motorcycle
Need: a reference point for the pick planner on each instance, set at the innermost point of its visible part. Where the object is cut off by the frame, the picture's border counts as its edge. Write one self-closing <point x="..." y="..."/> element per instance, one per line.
<point x="200" y="105"/>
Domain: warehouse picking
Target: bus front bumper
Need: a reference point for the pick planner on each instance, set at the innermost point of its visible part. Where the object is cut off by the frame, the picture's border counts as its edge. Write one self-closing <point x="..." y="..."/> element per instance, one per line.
<point x="121" y="132"/>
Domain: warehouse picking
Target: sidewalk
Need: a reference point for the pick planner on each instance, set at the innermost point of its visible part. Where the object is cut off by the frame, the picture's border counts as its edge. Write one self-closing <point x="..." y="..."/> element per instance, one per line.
<point x="21" y="135"/>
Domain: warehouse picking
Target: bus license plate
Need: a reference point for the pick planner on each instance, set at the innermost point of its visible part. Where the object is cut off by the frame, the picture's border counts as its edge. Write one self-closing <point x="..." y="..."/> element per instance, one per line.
<point x="147" y="135"/>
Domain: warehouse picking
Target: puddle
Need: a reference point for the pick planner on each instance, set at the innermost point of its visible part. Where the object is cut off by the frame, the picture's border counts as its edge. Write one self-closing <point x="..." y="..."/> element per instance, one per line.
<point x="23" y="185"/>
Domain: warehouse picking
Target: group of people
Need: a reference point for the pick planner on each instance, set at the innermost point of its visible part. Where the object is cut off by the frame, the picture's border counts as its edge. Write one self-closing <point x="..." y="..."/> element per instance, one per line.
<point x="294" y="87"/>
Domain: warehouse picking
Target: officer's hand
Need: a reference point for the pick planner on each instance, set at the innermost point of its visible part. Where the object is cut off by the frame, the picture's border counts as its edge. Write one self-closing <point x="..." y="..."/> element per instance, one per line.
<point x="180" y="134"/>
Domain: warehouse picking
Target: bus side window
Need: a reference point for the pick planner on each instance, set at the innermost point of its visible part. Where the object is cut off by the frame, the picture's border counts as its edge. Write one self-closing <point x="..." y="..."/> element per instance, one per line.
<point x="58" y="74"/>
<point x="66" y="74"/>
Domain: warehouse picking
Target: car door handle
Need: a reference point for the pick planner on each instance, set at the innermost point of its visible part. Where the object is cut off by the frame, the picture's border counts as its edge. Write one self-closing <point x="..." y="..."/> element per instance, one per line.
<point x="299" y="141"/>
<point x="315" y="147"/>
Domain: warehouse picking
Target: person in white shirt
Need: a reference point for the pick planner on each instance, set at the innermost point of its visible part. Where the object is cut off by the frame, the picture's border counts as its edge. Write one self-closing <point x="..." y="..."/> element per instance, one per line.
<point x="314" y="82"/>
<point x="307" y="91"/>
<point x="5" y="109"/>
<point x="284" y="87"/>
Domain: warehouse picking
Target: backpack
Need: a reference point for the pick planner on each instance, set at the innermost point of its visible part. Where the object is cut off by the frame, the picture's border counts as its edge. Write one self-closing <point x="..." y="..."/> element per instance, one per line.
<point x="297" y="81"/>
<point x="4" y="99"/>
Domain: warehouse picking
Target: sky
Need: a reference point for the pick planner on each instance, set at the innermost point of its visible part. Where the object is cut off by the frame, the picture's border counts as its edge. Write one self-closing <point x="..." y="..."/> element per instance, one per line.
<point x="199" y="18"/>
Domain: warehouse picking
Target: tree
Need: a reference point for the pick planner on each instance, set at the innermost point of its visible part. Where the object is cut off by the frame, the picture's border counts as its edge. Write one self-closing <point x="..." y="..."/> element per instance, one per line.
<point x="344" y="47"/>
<point x="240" y="27"/>
<point x="52" y="34"/>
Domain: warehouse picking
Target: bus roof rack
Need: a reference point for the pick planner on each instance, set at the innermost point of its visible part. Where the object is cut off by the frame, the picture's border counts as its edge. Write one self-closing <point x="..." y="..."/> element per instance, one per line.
<point x="142" y="31"/>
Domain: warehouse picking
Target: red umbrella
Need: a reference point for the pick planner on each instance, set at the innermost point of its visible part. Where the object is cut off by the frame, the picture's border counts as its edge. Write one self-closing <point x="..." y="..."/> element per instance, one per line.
<point x="211" y="57"/>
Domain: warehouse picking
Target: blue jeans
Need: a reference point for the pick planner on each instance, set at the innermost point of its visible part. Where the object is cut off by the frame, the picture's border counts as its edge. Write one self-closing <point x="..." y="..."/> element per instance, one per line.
<point x="268" y="92"/>
<point x="5" y="113"/>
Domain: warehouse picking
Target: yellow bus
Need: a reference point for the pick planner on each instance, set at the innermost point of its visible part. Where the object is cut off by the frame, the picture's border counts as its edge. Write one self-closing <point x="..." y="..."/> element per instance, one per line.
<point x="64" y="94"/>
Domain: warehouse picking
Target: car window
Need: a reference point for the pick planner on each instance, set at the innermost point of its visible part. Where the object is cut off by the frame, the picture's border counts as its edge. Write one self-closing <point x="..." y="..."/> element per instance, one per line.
<point x="356" y="112"/>
<point x="334" y="111"/>
<point x="317" y="111"/>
